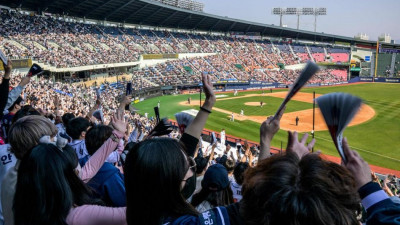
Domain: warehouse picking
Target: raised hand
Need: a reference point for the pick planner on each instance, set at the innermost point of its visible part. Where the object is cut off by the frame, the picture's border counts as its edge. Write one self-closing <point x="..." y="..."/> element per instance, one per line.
<point x="356" y="165"/>
<point x="208" y="91"/>
<point x="267" y="131"/>
<point x="118" y="122"/>
<point x="297" y="147"/>
<point x="271" y="126"/>
<point x="207" y="86"/>
<point x="196" y="127"/>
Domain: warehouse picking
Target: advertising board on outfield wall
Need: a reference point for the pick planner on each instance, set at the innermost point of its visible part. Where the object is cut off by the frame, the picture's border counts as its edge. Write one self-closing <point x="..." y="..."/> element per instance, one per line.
<point x="377" y="79"/>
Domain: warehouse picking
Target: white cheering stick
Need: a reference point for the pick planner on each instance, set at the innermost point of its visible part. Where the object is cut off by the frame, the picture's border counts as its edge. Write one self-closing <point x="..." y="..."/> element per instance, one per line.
<point x="310" y="69"/>
<point x="3" y="58"/>
<point x="338" y="110"/>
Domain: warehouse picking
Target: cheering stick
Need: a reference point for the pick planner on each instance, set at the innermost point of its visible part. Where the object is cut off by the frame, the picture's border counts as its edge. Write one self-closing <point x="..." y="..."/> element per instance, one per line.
<point x="3" y="58"/>
<point x="184" y="120"/>
<point x="162" y="128"/>
<point x="338" y="110"/>
<point x="35" y="70"/>
<point x="310" y="69"/>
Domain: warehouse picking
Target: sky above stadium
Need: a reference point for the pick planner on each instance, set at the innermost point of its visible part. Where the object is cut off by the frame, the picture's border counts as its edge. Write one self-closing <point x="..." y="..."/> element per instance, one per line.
<point x="343" y="17"/>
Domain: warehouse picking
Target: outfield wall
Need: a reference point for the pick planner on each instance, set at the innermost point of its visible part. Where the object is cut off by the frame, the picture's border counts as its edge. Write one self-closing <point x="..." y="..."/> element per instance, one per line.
<point x="254" y="85"/>
<point x="375" y="79"/>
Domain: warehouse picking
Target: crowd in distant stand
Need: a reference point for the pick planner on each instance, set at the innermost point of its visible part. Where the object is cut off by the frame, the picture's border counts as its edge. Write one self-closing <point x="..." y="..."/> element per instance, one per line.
<point x="51" y="40"/>
<point x="73" y="156"/>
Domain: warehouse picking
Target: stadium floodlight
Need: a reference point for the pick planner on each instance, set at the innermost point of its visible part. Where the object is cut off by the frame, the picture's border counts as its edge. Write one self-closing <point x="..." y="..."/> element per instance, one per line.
<point x="320" y="11"/>
<point x="277" y="11"/>
<point x="291" y="11"/>
<point x="280" y="12"/>
<point x="298" y="12"/>
<point x="307" y="11"/>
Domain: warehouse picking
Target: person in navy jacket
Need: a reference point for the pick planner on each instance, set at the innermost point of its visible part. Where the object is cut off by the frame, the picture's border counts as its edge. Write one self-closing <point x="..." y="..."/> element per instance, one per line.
<point x="108" y="183"/>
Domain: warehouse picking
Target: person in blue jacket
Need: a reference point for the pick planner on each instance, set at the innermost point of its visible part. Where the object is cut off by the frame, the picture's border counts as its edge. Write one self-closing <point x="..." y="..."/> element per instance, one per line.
<point x="108" y="183"/>
<point x="378" y="205"/>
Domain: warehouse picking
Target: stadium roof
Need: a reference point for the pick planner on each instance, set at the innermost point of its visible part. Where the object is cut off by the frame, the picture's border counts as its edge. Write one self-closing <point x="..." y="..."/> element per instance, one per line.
<point x="152" y="13"/>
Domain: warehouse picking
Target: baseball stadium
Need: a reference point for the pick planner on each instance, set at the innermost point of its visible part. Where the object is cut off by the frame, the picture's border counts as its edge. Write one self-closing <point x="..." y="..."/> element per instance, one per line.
<point x="95" y="55"/>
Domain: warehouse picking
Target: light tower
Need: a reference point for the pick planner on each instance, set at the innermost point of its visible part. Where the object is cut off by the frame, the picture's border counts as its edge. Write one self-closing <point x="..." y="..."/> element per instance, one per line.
<point x="300" y="12"/>
<point x="318" y="12"/>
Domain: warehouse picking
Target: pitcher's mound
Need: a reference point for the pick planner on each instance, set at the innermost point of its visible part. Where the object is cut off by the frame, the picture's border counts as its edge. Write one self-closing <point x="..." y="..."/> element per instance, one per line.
<point x="254" y="103"/>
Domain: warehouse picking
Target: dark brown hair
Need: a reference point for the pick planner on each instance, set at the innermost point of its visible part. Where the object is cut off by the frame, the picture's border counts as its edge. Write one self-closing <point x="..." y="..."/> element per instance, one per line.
<point x="96" y="136"/>
<point x="229" y="165"/>
<point x="287" y="190"/>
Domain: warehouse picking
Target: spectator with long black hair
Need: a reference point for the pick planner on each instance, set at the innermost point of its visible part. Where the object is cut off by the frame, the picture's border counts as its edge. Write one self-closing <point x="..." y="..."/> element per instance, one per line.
<point x="27" y="132"/>
<point x="215" y="191"/>
<point x="59" y="195"/>
<point x="165" y="169"/>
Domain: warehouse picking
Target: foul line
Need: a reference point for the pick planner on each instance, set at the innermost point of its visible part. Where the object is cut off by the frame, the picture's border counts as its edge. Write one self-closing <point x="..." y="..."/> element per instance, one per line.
<point x="363" y="150"/>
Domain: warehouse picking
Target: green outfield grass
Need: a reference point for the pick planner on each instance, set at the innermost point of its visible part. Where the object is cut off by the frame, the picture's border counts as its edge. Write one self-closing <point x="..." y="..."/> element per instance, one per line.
<point x="235" y="105"/>
<point x="377" y="140"/>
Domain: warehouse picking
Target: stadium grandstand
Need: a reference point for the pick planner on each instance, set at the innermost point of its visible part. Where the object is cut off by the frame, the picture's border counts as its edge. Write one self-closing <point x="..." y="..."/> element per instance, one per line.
<point x="98" y="58"/>
<point x="228" y="49"/>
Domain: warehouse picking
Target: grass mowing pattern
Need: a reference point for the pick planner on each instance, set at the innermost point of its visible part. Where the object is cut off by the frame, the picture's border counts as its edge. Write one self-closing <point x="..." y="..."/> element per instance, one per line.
<point x="269" y="108"/>
<point x="378" y="140"/>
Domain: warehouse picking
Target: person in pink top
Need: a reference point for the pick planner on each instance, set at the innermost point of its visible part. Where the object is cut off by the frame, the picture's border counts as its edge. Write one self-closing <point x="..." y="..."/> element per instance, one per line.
<point x="50" y="190"/>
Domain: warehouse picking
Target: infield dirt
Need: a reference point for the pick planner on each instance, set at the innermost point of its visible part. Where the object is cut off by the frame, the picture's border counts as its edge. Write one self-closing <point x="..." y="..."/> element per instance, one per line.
<point x="288" y="121"/>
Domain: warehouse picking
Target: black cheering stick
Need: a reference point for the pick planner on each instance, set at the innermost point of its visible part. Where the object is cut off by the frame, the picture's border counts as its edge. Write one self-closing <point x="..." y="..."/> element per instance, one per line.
<point x="310" y="69"/>
<point x="35" y="70"/>
<point x="162" y="128"/>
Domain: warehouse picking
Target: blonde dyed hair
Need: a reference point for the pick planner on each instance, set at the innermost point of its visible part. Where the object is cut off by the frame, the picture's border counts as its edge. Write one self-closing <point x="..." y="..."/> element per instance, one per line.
<point x="25" y="133"/>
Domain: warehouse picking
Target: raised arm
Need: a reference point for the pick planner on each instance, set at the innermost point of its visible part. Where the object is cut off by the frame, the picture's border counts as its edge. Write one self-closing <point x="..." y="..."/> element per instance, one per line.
<point x="14" y="93"/>
<point x="92" y="110"/>
<point x="380" y="208"/>
<point x="192" y="133"/>
<point x="4" y="86"/>
<point x="93" y="165"/>
<point x="124" y="102"/>
<point x="197" y="126"/>
<point x="212" y="154"/>
<point x="267" y="131"/>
